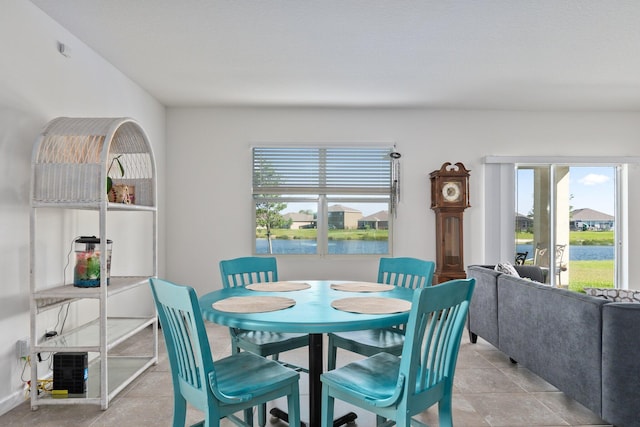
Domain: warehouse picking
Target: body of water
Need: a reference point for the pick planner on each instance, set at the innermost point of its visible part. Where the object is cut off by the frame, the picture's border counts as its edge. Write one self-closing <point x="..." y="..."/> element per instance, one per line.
<point x="578" y="252"/>
<point x="308" y="246"/>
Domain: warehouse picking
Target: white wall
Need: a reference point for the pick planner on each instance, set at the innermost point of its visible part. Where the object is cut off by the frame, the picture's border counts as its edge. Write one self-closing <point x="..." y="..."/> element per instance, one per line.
<point x="36" y="85"/>
<point x="209" y="189"/>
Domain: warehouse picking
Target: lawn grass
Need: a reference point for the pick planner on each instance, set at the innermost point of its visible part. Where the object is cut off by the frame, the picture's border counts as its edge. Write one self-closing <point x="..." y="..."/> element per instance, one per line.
<point x="281" y="233"/>
<point x="590" y="274"/>
<point x="311" y="233"/>
<point x="591" y="237"/>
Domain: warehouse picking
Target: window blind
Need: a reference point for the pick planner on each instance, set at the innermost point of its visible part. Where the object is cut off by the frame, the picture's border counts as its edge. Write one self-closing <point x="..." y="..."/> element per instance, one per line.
<point x="335" y="171"/>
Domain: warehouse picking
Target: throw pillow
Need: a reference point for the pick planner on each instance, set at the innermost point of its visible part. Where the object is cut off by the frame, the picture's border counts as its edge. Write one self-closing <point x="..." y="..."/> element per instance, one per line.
<point x="604" y="293"/>
<point x="615" y="295"/>
<point x="507" y="268"/>
<point x="629" y="296"/>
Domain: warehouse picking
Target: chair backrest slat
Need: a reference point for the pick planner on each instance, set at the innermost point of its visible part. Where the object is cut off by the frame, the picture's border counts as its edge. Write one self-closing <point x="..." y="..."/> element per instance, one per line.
<point x="412" y="273"/>
<point x="189" y="353"/>
<point x="247" y="270"/>
<point x="433" y="335"/>
<point x="187" y="357"/>
<point x="406" y="272"/>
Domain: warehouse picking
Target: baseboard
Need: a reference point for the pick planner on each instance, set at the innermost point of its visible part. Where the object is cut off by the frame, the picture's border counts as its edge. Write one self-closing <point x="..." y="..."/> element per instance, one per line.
<point x="12" y="401"/>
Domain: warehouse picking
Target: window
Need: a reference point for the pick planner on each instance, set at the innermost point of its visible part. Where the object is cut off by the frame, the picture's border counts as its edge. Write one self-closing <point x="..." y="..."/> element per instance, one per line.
<point x="323" y="200"/>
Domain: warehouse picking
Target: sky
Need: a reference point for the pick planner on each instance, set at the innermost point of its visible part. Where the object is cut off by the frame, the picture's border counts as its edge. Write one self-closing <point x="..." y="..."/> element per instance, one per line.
<point x="591" y="187"/>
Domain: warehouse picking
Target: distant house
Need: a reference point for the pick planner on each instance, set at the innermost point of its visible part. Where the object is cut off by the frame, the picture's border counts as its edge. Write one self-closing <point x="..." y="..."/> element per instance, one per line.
<point x="376" y="221"/>
<point x="343" y="217"/>
<point x="523" y="223"/>
<point x="300" y="220"/>
<point x="589" y="219"/>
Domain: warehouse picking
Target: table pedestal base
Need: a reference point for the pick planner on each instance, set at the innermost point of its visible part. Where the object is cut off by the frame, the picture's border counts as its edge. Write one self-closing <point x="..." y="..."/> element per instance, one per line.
<point x="345" y="419"/>
<point x="280" y="414"/>
<point x="315" y="388"/>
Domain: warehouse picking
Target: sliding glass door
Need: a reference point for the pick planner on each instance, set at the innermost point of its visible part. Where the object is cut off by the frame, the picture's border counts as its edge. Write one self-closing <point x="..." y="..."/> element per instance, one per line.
<point x="566" y="223"/>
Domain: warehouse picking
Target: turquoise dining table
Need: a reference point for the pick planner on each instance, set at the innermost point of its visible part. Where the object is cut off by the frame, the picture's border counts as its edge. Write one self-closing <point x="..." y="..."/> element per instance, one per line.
<point x="312" y="314"/>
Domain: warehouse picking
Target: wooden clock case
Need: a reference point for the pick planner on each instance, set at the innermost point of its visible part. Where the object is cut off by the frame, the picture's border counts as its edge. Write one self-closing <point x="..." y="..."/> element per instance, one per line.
<point x="449" y="199"/>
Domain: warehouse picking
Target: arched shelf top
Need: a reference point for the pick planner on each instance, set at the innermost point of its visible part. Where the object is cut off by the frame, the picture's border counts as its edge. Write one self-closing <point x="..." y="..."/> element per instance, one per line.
<point x="73" y="157"/>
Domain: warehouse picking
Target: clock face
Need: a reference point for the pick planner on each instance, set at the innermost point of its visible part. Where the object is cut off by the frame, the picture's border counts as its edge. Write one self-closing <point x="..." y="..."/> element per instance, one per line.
<point x="451" y="191"/>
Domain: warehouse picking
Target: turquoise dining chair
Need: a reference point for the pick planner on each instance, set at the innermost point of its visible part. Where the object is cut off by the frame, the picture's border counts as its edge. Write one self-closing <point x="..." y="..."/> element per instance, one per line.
<point x="406" y="272"/>
<point x="221" y="388"/>
<point x="398" y="388"/>
<point x="245" y="271"/>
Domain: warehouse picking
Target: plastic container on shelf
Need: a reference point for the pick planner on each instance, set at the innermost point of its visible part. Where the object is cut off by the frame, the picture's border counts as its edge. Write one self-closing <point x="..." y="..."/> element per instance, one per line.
<point x="86" y="273"/>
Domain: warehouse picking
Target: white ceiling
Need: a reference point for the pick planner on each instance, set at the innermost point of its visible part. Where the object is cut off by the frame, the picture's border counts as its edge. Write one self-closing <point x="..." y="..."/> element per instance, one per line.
<point x="493" y="54"/>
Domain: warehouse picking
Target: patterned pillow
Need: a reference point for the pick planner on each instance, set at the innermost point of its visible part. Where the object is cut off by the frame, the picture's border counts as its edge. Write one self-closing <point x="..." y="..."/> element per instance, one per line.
<point x="616" y="295"/>
<point x="507" y="268"/>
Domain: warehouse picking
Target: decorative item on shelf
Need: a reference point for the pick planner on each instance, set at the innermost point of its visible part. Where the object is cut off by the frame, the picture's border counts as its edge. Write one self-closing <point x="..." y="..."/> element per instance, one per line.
<point x="117" y="161"/>
<point x="119" y="193"/>
<point x="122" y="193"/>
<point x="86" y="273"/>
<point x="449" y="199"/>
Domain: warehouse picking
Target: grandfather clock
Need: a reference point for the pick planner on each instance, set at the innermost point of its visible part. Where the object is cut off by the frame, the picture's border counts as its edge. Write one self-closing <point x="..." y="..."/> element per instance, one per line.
<point x="449" y="199"/>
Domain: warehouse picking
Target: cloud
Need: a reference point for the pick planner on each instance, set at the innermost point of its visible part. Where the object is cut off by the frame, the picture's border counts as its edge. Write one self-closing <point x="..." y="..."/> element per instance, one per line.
<point x="593" y="179"/>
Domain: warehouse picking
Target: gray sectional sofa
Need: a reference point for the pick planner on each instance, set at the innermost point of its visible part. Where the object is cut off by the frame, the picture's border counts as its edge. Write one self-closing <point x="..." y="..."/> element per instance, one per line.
<point x="587" y="347"/>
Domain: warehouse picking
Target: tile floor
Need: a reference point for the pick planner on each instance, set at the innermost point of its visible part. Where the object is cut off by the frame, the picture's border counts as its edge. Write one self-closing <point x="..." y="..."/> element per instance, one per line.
<point x="489" y="391"/>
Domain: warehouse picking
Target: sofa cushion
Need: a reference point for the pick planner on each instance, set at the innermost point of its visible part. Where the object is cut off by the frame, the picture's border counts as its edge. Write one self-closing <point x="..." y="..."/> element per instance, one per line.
<point x="532" y="272"/>
<point x="549" y="330"/>
<point x="482" y="319"/>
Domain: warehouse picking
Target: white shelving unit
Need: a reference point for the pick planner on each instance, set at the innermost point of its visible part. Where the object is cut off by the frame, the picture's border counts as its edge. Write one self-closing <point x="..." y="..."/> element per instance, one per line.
<point x="70" y="163"/>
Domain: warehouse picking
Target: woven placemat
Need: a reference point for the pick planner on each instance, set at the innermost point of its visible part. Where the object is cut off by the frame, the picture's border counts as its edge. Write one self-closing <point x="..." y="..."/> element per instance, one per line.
<point x="361" y="287"/>
<point x="253" y="304"/>
<point x="278" y="286"/>
<point x="371" y="305"/>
